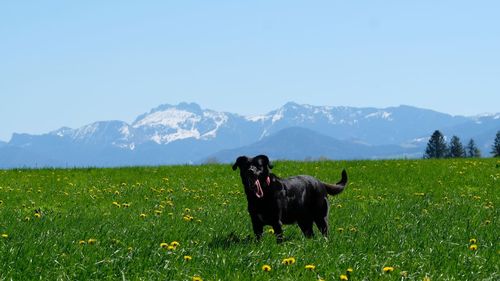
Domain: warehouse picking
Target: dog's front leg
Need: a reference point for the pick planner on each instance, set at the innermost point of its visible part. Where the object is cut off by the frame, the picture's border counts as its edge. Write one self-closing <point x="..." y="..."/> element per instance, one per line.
<point x="258" y="227"/>
<point x="278" y="231"/>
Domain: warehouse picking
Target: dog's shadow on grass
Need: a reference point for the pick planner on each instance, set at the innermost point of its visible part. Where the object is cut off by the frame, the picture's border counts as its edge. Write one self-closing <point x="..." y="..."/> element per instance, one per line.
<point x="232" y="239"/>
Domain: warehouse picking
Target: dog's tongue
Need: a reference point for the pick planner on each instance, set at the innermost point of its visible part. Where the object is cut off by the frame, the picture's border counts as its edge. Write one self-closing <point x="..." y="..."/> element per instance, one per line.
<point x="259" y="193"/>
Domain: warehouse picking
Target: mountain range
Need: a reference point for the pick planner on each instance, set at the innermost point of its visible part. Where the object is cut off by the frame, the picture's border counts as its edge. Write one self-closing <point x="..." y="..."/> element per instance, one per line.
<point x="186" y="134"/>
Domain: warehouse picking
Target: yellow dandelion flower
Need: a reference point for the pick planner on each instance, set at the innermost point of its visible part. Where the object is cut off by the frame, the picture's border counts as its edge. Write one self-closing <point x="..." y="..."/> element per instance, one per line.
<point x="91" y="241"/>
<point x="116" y="204"/>
<point x="157" y="212"/>
<point x="487" y="222"/>
<point x="271" y="231"/>
<point x="473" y="247"/>
<point x="197" y="278"/>
<point x="310" y="267"/>
<point x="170" y="248"/>
<point x="130" y="249"/>
<point x="340" y="229"/>
<point x="82" y="242"/>
<point x="426" y="278"/>
<point x="288" y="261"/>
<point x="266" y="268"/>
<point x="142" y="216"/>
<point x="187" y="218"/>
<point x="175" y="244"/>
<point x="38" y="215"/>
<point x="344" y="277"/>
<point x="5" y="235"/>
<point x="188" y="258"/>
<point x="163" y="245"/>
<point x="349" y="270"/>
<point x="117" y="192"/>
<point x="388" y="269"/>
<point x="126" y="205"/>
<point x="473" y="240"/>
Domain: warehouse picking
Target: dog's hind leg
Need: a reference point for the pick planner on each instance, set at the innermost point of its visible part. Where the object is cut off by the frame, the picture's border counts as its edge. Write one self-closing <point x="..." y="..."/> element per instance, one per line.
<point x="322" y="224"/>
<point x="321" y="217"/>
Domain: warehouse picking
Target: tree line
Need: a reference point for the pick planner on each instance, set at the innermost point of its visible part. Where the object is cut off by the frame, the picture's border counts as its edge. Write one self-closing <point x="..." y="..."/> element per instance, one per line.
<point x="438" y="148"/>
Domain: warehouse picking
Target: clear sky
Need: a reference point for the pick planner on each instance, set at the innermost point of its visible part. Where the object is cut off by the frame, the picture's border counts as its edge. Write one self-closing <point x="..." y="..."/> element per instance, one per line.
<point x="69" y="63"/>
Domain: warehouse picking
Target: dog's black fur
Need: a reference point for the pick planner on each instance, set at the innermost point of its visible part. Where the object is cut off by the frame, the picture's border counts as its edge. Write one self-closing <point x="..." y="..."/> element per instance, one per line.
<point x="275" y="201"/>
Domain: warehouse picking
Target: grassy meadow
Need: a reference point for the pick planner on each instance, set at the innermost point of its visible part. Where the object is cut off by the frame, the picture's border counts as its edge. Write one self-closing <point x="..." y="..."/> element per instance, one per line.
<point x="396" y="220"/>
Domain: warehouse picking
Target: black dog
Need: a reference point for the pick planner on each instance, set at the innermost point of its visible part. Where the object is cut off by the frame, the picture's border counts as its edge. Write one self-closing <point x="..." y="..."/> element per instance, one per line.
<point x="274" y="201"/>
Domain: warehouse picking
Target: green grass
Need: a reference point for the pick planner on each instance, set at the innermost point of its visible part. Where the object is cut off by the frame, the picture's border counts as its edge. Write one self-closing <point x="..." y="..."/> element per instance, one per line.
<point x="416" y="216"/>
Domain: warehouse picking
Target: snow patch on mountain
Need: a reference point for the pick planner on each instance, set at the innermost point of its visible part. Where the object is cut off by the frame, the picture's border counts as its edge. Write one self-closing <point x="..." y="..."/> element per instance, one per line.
<point x="380" y="114"/>
<point x="172" y="118"/>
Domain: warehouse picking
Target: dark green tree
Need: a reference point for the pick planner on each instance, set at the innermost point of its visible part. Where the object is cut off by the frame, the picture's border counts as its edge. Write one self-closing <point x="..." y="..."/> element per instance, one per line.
<point x="496" y="146"/>
<point x="436" y="147"/>
<point x="471" y="150"/>
<point x="456" y="148"/>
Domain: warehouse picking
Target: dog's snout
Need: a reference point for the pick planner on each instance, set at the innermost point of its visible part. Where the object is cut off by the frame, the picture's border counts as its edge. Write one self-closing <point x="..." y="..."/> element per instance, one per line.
<point x="252" y="171"/>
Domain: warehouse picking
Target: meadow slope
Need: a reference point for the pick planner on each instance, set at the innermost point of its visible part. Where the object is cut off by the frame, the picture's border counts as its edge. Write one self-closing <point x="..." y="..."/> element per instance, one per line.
<point x="416" y="218"/>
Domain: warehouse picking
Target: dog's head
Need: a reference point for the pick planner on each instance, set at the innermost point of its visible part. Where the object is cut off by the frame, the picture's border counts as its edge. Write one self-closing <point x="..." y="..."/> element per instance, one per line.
<point x="254" y="173"/>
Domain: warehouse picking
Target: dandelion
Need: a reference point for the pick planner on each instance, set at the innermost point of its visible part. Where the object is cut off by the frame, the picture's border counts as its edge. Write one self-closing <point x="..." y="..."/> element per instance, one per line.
<point x="157" y="212"/>
<point x="82" y="242"/>
<point x="187" y="218"/>
<point x="175" y="244"/>
<point x="116" y="204"/>
<point x="5" y="235"/>
<point x="142" y="216"/>
<point x="473" y="247"/>
<point x="38" y="215"/>
<point x="340" y="229"/>
<point x="344" y="277"/>
<point x="91" y="241"/>
<point x="388" y="269"/>
<point x="310" y="267"/>
<point x="197" y="278"/>
<point x="270" y="231"/>
<point x="170" y="248"/>
<point x="473" y="241"/>
<point x="163" y="245"/>
<point x="266" y="268"/>
<point x="288" y="261"/>
<point x="487" y="222"/>
<point x="426" y="278"/>
<point x="188" y="258"/>
<point x="348" y="273"/>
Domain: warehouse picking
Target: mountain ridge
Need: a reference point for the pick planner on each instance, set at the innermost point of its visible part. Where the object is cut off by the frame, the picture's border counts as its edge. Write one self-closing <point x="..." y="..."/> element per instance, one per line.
<point x="187" y="133"/>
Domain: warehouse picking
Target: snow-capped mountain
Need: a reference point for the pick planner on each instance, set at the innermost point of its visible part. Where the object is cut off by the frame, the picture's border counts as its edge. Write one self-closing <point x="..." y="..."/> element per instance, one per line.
<point x="187" y="133"/>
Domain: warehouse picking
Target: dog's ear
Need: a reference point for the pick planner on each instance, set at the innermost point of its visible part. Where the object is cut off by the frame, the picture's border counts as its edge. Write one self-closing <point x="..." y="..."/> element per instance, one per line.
<point x="266" y="161"/>
<point x="240" y="161"/>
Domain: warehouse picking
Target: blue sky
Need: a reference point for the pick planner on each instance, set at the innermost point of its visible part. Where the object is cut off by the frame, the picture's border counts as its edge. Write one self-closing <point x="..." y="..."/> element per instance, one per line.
<point x="69" y="63"/>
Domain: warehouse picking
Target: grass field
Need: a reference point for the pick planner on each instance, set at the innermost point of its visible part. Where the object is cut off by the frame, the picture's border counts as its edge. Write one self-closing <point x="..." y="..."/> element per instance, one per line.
<point x="417" y="219"/>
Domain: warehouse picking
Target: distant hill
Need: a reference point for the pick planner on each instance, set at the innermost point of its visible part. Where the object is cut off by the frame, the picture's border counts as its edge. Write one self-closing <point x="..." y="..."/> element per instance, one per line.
<point x="187" y="133"/>
<point x="296" y="143"/>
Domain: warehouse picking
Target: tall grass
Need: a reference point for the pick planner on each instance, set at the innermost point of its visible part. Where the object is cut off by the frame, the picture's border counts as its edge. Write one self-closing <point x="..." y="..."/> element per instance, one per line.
<point x="417" y="217"/>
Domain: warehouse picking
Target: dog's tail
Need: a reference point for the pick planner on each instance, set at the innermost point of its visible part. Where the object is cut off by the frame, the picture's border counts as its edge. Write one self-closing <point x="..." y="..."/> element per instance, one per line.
<point x="334" y="189"/>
